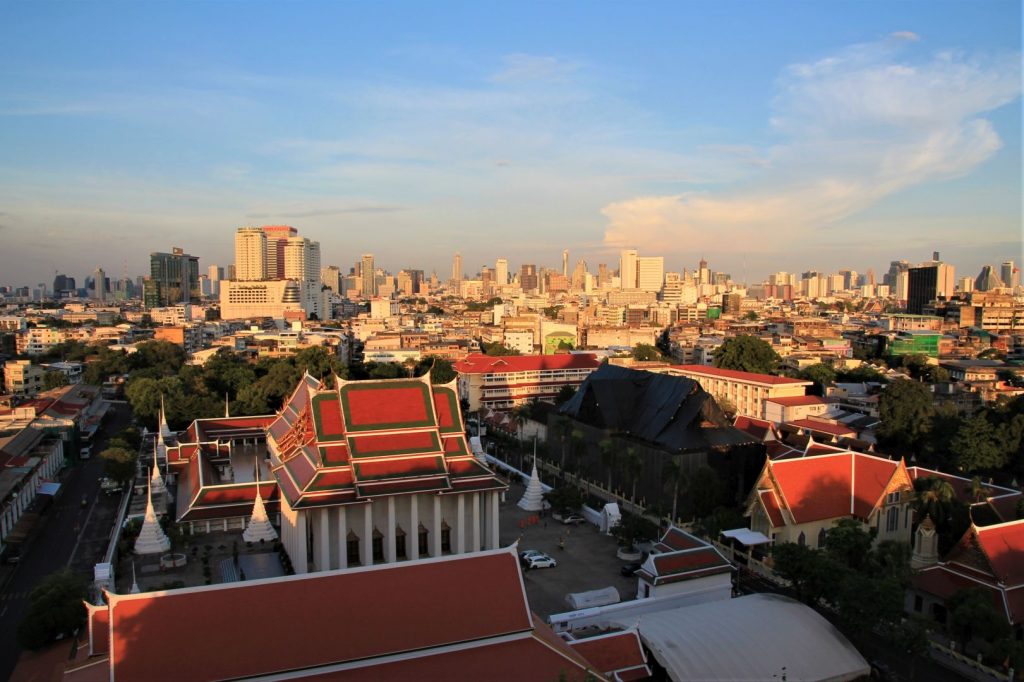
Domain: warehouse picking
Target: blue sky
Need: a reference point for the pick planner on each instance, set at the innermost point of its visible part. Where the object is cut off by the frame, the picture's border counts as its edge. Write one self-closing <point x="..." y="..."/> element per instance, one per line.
<point x="763" y="136"/>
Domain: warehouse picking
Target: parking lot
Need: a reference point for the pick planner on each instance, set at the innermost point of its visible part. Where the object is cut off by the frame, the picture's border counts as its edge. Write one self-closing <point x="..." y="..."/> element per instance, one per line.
<point x="588" y="561"/>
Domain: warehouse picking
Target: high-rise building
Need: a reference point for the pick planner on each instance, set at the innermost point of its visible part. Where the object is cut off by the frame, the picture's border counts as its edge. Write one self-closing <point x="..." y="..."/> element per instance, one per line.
<point x="301" y="260"/>
<point x="1010" y="274"/>
<point x="579" y="275"/>
<point x="99" y="279"/>
<point x="457" y="272"/>
<point x="215" y="273"/>
<point x="330" y="277"/>
<point x="173" y="279"/>
<point x="565" y="263"/>
<point x="627" y="269"/>
<point x="250" y="255"/>
<point x="501" y="271"/>
<point x="988" y="280"/>
<point x="703" y="273"/>
<point x="368" y="276"/>
<point x="528" y="280"/>
<point x="650" y="273"/>
<point x="928" y="282"/>
<point x="277" y="241"/>
<point x="63" y="283"/>
<point x="603" y="276"/>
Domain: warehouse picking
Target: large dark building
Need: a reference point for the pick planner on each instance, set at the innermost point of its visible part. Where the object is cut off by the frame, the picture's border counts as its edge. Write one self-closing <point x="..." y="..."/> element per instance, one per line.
<point x="646" y="430"/>
<point x="927" y="283"/>
<point x="173" y="279"/>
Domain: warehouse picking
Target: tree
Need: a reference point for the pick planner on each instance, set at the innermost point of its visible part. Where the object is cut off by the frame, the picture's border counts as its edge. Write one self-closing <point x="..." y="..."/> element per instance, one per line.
<point x="318" y="362"/>
<point x="118" y="464"/>
<point x="57" y="607"/>
<point x="905" y="408"/>
<point x="750" y="316"/>
<point x="973" y="615"/>
<point x="633" y="465"/>
<point x="442" y="371"/>
<point x="746" y="353"/>
<point x="705" y="491"/>
<point x="497" y="348"/>
<point x="976" y="446"/>
<point x="672" y="474"/>
<point x="54" y="379"/>
<point x="565" y="499"/>
<point x="645" y="352"/>
<point x="631" y="529"/>
<point x="806" y="569"/>
<point x="521" y="415"/>
<point x="565" y="394"/>
<point x="608" y="451"/>
<point x="821" y="374"/>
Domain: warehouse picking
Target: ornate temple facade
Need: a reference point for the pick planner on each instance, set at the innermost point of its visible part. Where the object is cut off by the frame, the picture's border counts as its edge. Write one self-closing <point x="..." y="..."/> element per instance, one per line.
<point x="378" y="471"/>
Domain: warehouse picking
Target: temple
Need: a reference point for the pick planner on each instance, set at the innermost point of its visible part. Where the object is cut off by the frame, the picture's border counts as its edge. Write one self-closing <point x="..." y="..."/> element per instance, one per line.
<point x="378" y="471"/>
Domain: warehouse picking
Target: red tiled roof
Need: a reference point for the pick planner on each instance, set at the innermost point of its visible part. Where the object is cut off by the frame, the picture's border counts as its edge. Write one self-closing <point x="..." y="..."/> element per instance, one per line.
<point x="1003" y="544"/>
<point x="819" y="488"/>
<point x="609" y="653"/>
<point x="823" y="427"/>
<point x="99" y="632"/>
<point x="487" y="364"/>
<point x="771" y="506"/>
<point x="382" y="405"/>
<point x="676" y="539"/>
<point x="758" y="428"/>
<point x="750" y="377"/>
<point x="397" y="607"/>
<point x="387" y="468"/>
<point x="797" y="400"/>
<point x="689" y="561"/>
<point x="399" y="442"/>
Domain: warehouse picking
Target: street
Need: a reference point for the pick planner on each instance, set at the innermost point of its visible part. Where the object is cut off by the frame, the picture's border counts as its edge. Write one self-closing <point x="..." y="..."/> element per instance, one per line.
<point x="68" y="536"/>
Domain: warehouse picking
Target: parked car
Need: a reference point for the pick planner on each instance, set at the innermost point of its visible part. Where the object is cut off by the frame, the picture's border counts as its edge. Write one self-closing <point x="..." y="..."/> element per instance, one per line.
<point x="85" y="453"/>
<point x="110" y="486"/>
<point x="527" y="554"/>
<point x="573" y="519"/>
<point x="630" y="568"/>
<point x="540" y="561"/>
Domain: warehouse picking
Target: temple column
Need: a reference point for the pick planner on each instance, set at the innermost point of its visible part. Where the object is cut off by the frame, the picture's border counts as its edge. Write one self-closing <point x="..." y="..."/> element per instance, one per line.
<point x="323" y="558"/>
<point x="299" y="562"/>
<point x="366" y="542"/>
<point x="494" y="532"/>
<point x="389" y="538"/>
<point x="435" y="532"/>
<point x="476" y="521"/>
<point x="412" y="536"/>
<point x="342" y="548"/>
<point x="460" y="526"/>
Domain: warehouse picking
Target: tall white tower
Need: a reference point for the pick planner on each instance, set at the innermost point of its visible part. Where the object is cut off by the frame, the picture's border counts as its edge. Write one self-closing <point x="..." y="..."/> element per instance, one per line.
<point x="501" y="271"/>
<point x="250" y="254"/>
<point x="627" y="269"/>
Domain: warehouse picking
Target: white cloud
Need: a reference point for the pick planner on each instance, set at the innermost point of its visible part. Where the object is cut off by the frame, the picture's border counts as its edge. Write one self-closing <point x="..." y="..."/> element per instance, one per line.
<point x="533" y="68"/>
<point x="858" y="126"/>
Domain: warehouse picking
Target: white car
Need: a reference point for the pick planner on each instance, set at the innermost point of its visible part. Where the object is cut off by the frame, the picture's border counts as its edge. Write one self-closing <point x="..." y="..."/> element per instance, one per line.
<point x="540" y="561"/>
<point x="573" y="519"/>
<point x="525" y="555"/>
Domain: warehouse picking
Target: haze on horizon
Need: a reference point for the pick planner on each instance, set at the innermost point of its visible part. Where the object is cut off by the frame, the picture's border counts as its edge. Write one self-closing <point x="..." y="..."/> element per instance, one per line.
<point x="763" y="137"/>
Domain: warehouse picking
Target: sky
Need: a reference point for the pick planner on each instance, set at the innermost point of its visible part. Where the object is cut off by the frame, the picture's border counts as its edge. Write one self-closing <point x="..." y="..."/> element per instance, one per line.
<point x="762" y="136"/>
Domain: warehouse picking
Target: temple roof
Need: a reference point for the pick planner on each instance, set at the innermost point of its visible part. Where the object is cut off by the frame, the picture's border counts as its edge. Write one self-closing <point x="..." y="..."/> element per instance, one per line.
<point x="365" y="439"/>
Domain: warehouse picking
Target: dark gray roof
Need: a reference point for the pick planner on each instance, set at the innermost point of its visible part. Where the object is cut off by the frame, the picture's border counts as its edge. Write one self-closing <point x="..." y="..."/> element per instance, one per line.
<point x="670" y="412"/>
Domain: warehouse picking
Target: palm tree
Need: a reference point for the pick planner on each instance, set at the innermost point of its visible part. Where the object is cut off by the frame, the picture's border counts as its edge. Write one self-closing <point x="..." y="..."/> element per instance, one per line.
<point x="577" y="443"/>
<point x="932" y="497"/>
<point x="520" y="415"/>
<point x="634" y="466"/>
<point x="609" y="458"/>
<point x="563" y="424"/>
<point x="672" y="471"/>
<point x="977" y="489"/>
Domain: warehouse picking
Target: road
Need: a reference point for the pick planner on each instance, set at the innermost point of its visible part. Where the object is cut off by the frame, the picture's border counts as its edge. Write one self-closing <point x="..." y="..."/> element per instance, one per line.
<point x="68" y="536"/>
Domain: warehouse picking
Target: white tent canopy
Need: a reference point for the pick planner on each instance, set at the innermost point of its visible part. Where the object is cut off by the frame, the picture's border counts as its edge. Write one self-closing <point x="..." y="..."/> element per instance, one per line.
<point x="585" y="600"/>
<point x="747" y="537"/>
<point x="756" y="637"/>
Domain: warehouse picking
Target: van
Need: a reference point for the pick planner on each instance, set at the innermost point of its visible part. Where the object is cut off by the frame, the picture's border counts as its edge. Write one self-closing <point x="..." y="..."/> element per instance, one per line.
<point x="86" y="452"/>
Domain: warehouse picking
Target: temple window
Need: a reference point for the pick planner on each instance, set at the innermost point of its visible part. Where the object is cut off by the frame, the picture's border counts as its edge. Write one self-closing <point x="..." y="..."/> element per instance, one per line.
<point x="352" y="548"/>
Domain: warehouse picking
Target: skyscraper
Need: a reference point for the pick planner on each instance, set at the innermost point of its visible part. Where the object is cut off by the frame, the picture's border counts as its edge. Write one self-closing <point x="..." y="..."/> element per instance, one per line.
<point x="250" y="254"/>
<point x="1010" y="274"/>
<point x="928" y="282"/>
<point x="301" y="260"/>
<point x="99" y="279"/>
<point x="650" y="273"/>
<point x="565" y="263"/>
<point x="528" y="280"/>
<point x="501" y="271"/>
<point x="173" y="279"/>
<point x="457" y="267"/>
<point x="277" y="240"/>
<point x="368" y="276"/>
<point x="330" y="277"/>
<point x="627" y="269"/>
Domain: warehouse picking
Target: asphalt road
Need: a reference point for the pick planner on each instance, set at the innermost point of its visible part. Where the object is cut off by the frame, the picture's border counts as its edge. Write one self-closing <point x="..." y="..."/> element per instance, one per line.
<point x="68" y="536"/>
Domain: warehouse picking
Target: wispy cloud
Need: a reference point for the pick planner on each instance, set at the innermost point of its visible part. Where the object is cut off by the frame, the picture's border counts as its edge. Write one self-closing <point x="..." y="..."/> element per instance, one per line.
<point x="519" y="68"/>
<point x="856" y="126"/>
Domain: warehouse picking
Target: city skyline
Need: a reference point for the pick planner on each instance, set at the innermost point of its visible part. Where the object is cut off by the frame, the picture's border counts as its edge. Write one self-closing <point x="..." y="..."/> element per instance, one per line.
<point x="798" y="137"/>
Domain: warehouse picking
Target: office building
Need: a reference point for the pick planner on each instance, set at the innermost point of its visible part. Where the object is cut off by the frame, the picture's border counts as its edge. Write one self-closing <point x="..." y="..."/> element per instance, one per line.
<point x="367" y="275"/>
<point x="627" y="269"/>
<point x="99" y="279"/>
<point x="301" y="260"/>
<point x="501" y="271"/>
<point x="250" y="255"/>
<point x="1010" y="274"/>
<point x="927" y="283"/>
<point x="565" y="263"/>
<point x="457" y="272"/>
<point x="650" y="273"/>
<point x="528" y="280"/>
<point x="988" y="280"/>
<point x="173" y="279"/>
<point x="278" y="237"/>
<point x="330" y="277"/>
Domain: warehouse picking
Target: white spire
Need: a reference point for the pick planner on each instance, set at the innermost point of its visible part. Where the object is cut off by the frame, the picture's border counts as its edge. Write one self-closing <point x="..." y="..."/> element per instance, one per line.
<point x="227" y="407"/>
<point x="135" y="583"/>
<point x="533" y="498"/>
<point x="259" y="527"/>
<point x="165" y="430"/>
<point x="152" y="539"/>
<point x="156" y="481"/>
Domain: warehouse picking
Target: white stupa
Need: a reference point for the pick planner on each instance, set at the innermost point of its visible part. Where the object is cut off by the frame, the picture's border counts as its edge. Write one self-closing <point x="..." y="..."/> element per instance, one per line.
<point x="165" y="430"/>
<point x="156" y="481"/>
<point x="152" y="539"/>
<point x="533" y="498"/>
<point x="259" y="527"/>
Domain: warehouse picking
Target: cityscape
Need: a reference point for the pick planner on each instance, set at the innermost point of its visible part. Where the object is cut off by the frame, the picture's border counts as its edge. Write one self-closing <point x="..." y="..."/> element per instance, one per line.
<point x="498" y="356"/>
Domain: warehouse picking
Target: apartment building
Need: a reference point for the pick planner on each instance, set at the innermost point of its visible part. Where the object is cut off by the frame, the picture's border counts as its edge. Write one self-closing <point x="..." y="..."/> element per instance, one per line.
<point x="502" y="382"/>
<point x="745" y="391"/>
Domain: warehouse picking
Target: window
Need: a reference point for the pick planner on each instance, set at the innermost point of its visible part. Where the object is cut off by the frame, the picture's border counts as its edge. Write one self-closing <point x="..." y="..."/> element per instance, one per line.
<point x="378" y="545"/>
<point x="446" y="538"/>
<point x="400" y="543"/>
<point x="892" y="519"/>
<point x="352" y="546"/>
<point x="423" y="538"/>
<point x="801" y="539"/>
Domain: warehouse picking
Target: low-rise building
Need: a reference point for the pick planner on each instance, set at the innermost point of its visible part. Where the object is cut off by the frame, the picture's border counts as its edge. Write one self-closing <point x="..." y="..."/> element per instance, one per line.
<point x="510" y="380"/>
<point x="22" y="378"/>
<point x="745" y="391"/>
